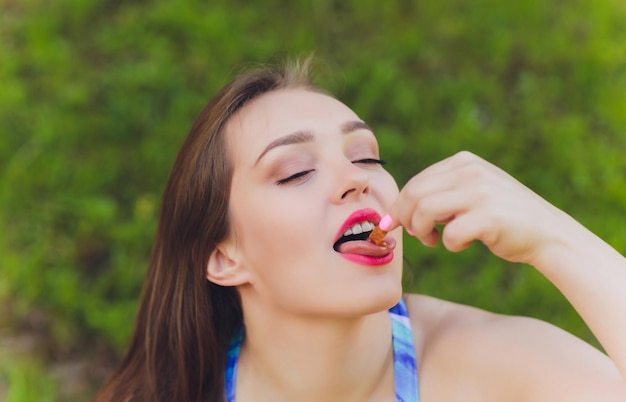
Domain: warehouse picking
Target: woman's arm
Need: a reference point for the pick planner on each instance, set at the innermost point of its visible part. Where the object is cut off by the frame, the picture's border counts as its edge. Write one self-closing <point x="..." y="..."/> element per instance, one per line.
<point x="469" y="354"/>
<point x="477" y="201"/>
<point x="592" y="275"/>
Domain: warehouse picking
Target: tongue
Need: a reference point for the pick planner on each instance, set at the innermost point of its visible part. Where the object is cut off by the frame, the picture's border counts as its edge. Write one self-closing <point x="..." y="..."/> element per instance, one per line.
<point x="365" y="247"/>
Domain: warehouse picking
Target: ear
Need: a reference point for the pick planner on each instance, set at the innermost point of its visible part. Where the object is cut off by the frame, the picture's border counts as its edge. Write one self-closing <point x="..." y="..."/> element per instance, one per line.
<point x="224" y="267"/>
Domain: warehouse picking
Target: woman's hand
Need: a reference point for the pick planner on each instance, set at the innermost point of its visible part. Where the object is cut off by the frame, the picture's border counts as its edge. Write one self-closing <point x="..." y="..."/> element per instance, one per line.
<point x="475" y="200"/>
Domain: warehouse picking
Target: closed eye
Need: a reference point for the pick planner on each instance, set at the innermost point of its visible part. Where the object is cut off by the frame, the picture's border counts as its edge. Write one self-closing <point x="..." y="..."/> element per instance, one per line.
<point x="302" y="175"/>
<point x="370" y="161"/>
<point x="294" y="177"/>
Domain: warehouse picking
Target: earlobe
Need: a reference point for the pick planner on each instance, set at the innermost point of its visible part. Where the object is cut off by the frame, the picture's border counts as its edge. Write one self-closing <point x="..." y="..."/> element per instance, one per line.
<point x="224" y="270"/>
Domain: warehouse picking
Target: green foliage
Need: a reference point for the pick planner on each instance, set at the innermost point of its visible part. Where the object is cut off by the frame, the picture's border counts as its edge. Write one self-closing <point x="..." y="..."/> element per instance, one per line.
<point x="96" y="98"/>
<point x="28" y="382"/>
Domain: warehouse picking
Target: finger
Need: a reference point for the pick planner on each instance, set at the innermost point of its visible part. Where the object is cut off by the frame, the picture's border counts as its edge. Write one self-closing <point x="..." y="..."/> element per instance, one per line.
<point x="431" y="239"/>
<point x="417" y="189"/>
<point x="435" y="209"/>
<point x="454" y="172"/>
<point x="463" y="230"/>
<point x="388" y="223"/>
<point x="455" y="162"/>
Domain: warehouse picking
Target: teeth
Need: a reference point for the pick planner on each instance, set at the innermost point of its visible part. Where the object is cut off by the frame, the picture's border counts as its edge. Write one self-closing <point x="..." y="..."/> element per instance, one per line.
<point x="360" y="228"/>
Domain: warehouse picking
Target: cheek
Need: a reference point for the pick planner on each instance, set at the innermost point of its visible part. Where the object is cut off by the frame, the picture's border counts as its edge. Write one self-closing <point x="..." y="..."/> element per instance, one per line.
<point x="276" y="250"/>
<point x="270" y="232"/>
<point x="387" y="188"/>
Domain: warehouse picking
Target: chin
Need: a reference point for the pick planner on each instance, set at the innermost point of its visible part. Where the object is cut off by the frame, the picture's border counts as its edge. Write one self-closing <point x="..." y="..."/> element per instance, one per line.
<point x="384" y="296"/>
<point x="390" y="298"/>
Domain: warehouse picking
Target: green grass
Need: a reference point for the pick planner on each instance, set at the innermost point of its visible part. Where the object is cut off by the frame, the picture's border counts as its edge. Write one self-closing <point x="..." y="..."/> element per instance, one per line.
<point x="27" y="381"/>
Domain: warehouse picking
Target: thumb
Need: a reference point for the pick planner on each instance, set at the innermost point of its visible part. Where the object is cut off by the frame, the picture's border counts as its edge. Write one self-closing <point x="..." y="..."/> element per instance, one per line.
<point x="389" y="221"/>
<point x="429" y="238"/>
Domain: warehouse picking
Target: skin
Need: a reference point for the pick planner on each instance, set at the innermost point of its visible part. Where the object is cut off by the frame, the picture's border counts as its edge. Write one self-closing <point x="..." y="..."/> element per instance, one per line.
<point x="316" y="324"/>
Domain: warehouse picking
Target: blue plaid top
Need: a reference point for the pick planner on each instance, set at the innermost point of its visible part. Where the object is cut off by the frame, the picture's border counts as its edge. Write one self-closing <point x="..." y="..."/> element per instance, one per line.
<point x="404" y="364"/>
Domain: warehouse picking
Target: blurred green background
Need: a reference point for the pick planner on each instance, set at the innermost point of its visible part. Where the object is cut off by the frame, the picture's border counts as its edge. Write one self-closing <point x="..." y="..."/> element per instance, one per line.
<point x="96" y="97"/>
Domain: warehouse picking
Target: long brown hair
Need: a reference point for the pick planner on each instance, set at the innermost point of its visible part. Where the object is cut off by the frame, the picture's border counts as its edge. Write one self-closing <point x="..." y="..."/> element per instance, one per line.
<point x="185" y="323"/>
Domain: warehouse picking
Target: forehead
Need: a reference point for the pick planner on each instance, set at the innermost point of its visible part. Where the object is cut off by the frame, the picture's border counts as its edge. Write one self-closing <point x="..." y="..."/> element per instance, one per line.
<point x="283" y="112"/>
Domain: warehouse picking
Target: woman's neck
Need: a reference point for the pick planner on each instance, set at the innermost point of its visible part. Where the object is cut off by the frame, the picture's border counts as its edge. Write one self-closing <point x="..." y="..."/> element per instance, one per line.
<point x="293" y="358"/>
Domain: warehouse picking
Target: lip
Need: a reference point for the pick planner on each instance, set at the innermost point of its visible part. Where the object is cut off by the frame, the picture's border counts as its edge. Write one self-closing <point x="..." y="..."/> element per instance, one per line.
<point x="368" y="260"/>
<point x="366" y="214"/>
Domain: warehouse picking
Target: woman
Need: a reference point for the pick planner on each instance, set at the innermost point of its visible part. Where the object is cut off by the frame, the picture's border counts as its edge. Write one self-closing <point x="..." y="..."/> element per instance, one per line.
<point x="263" y="287"/>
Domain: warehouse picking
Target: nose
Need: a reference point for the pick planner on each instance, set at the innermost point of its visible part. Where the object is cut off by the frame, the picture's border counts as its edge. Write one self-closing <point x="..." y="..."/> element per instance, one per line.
<point x="352" y="182"/>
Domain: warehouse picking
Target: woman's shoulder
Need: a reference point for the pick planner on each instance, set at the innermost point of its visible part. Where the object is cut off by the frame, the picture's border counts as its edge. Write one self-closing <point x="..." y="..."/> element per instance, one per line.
<point x="439" y="314"/>
<point x="481" y="353"/>
<point x="437" y="324"/>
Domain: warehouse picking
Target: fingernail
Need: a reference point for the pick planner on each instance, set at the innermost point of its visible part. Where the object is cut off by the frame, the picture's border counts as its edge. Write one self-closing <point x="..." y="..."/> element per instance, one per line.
<point x="385" y="222"/>
<point x="409" y="231"/>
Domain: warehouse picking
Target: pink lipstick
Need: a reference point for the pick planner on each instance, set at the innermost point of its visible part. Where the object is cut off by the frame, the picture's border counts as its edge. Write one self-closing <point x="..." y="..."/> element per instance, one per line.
<point x="352" y="240"/>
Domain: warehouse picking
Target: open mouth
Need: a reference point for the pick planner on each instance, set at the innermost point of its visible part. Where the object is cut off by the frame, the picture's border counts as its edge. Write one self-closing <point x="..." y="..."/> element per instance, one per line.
<point x="358" y="231"/>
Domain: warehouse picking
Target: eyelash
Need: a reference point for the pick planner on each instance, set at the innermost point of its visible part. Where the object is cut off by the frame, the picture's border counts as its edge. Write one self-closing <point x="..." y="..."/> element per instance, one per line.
<point x="370" y="161"/>
<point x="294" y="177"/>
<point x="301" y="175"/>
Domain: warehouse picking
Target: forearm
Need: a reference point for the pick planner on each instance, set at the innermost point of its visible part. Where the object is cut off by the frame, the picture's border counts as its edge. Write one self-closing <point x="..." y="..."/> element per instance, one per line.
<point x="592" y="276"/>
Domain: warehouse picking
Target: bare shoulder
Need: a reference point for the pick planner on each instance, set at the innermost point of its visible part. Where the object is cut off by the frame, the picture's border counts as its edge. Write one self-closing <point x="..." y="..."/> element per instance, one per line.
<point x="466" y="353"/>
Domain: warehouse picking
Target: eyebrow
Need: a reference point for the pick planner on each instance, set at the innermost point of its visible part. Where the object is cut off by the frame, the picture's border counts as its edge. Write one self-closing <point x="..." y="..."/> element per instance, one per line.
<point x="304" y="136"/>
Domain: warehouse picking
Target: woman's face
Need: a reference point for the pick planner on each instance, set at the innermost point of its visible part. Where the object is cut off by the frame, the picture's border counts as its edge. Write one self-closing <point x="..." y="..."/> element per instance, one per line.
<point x="305" y="171"/>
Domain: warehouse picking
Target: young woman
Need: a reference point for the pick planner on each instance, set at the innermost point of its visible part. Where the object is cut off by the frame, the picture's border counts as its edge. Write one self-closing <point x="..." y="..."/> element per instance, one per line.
<point x="263" y="287"/>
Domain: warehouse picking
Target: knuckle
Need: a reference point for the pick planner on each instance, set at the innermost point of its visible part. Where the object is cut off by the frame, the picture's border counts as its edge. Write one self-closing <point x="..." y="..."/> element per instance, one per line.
<point x="465" y="156"/>
<point x="473" y="171"/>
<point x="412" y="192"/>
<point x="419" y="226"/>
<point x="483" y="191"/>
<point x="425" y="206"/>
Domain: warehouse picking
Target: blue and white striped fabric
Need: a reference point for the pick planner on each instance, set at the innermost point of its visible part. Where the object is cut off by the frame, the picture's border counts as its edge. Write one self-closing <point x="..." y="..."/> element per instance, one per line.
<point x="231" y="365"/>
<point x="404" y="364"/>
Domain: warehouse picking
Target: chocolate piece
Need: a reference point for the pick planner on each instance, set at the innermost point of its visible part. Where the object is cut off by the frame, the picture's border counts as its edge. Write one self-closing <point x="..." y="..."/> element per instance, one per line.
<point x="377" y="237"/>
